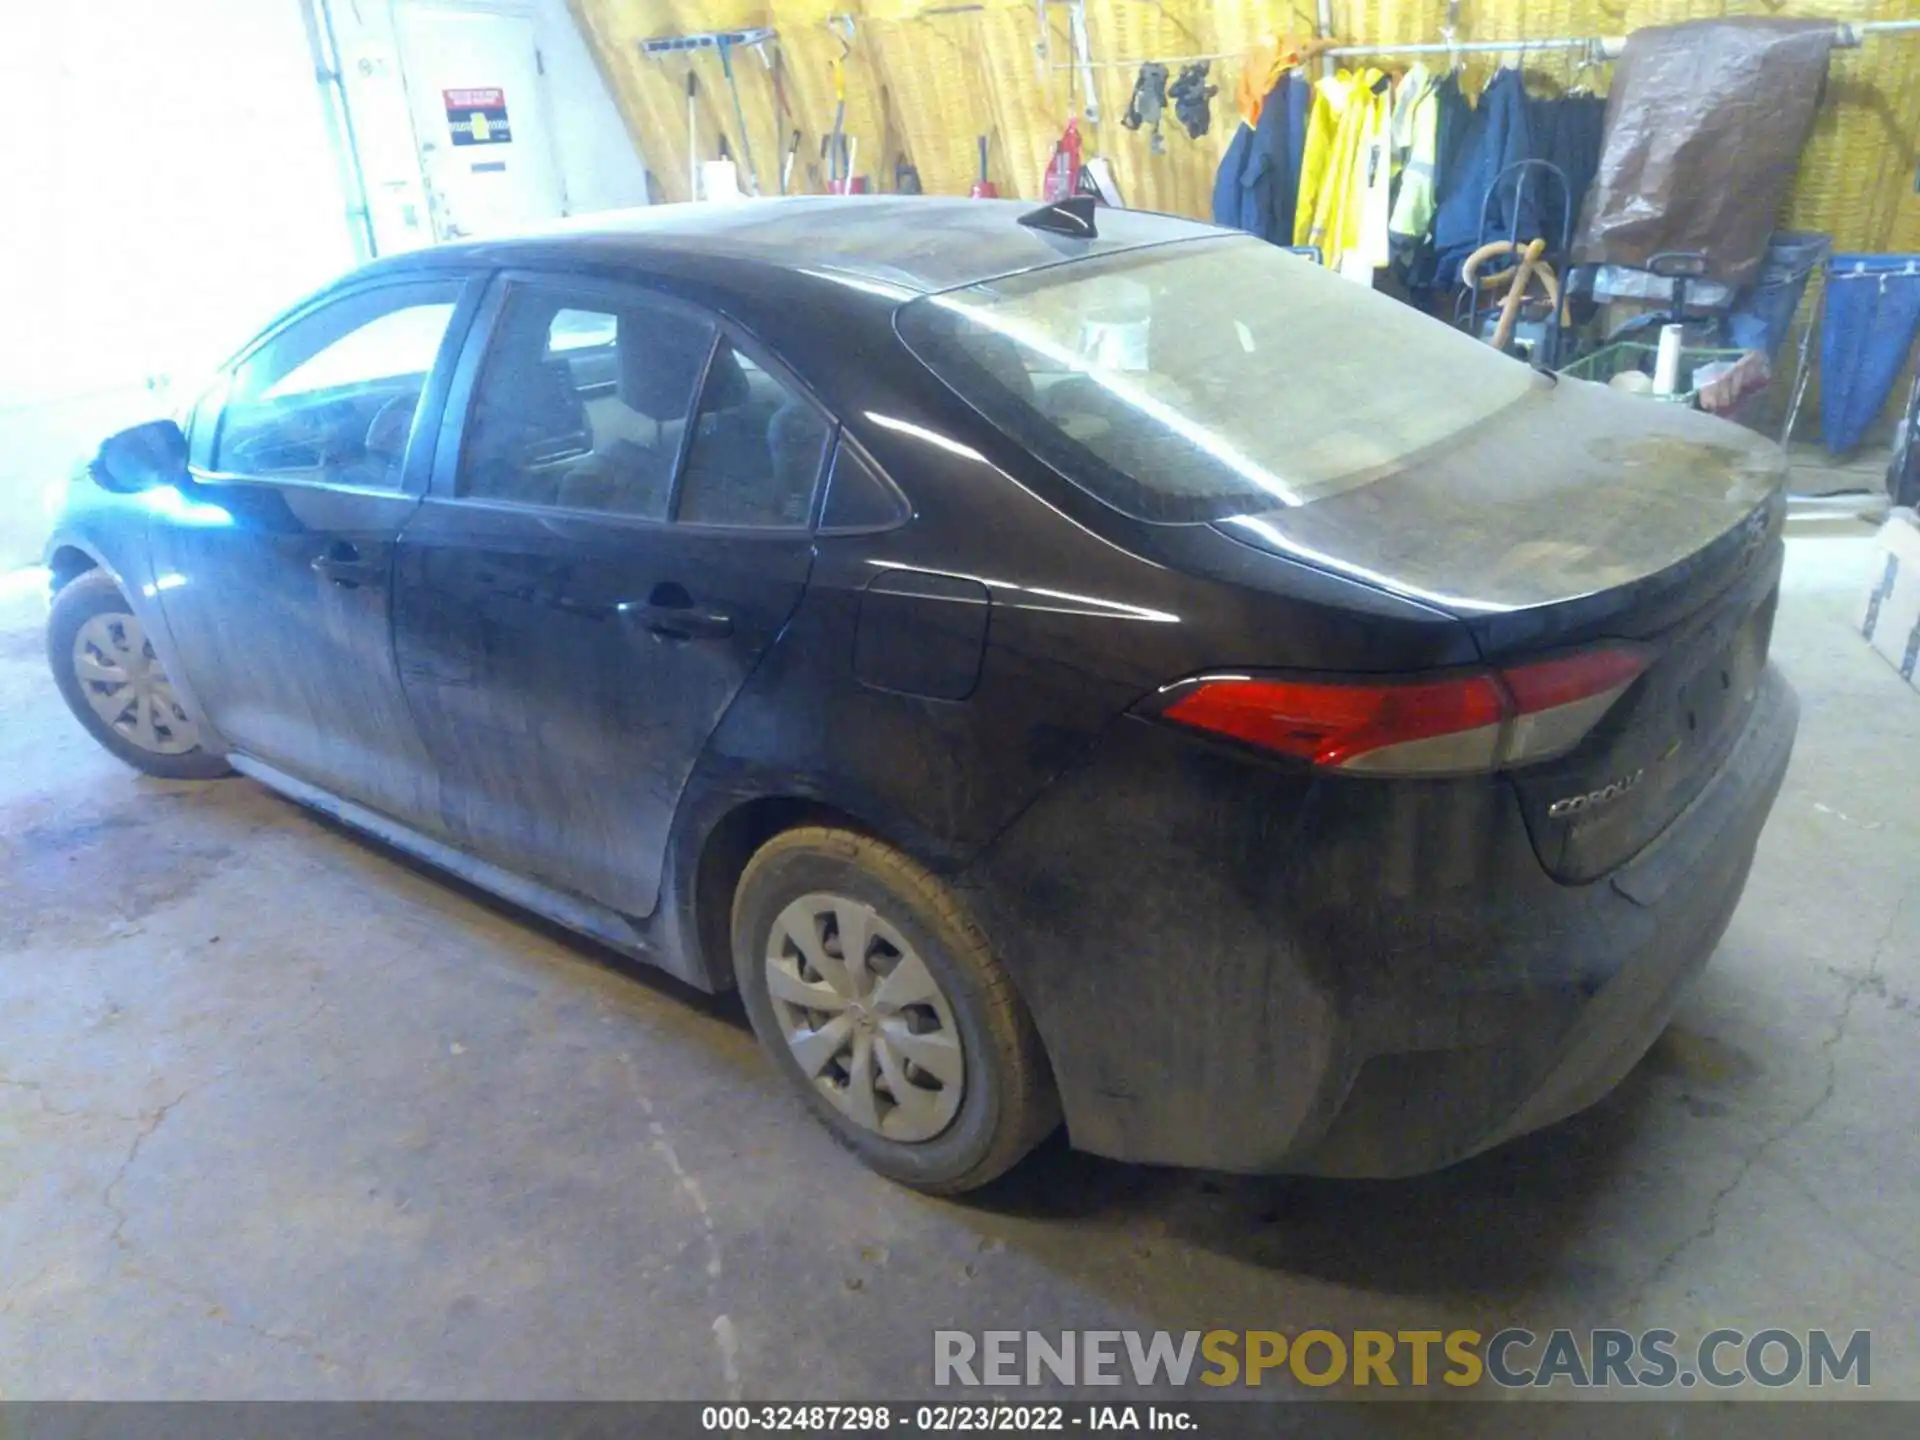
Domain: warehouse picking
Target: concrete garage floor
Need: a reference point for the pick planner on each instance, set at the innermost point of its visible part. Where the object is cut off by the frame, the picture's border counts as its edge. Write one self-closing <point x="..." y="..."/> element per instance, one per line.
<point x="284" y="1117"/>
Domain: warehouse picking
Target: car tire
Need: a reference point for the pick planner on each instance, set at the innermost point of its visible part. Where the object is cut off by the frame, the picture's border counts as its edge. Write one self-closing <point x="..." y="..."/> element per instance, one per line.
<point x="960" y="999"/>
<point x="91" y="621"/>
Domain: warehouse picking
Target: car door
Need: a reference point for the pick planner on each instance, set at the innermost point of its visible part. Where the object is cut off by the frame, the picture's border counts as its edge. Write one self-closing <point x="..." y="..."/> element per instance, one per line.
<point x="273" y="568"/>
<point x="618" y="529"/>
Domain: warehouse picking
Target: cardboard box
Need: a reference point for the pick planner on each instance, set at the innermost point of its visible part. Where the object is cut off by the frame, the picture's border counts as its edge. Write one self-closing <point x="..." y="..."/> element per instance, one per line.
<point x="1891" y="620"/>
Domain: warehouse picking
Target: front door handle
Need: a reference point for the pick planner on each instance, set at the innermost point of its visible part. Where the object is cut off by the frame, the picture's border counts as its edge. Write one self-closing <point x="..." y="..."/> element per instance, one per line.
<point x="683" y="622"/>
<point x="344" y="565"/>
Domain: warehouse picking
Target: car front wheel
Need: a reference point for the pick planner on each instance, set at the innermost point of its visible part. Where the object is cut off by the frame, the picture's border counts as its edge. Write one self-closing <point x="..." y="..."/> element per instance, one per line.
<point x="884" y="1005"/>
<point x="116" y="686"/>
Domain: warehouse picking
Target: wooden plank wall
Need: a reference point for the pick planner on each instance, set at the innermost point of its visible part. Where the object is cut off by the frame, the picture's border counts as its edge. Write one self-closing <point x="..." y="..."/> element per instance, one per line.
<point x="921" y="85"/>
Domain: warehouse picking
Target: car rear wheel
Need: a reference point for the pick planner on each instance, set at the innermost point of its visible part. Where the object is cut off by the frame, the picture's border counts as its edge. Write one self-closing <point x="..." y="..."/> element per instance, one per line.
<point x="116" y="686"/>
<point x="884" y="1005"/>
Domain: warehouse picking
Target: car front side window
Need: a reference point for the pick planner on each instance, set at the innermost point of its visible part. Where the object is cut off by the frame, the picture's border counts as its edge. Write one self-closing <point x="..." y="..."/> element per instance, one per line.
<point x="331" y="398"/>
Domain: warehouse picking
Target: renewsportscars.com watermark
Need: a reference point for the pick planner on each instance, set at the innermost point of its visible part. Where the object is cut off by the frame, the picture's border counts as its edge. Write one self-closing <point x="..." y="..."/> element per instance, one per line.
<point x="1508" y="1359"/>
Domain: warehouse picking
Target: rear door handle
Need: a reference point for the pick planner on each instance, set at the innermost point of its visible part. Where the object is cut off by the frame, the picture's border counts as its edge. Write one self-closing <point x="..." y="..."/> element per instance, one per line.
<point x="344" y="565"/>
<point x="683" y="622"/>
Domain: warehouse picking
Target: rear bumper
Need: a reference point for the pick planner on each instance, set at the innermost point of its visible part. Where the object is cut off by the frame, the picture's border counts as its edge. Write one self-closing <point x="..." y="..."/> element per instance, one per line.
<point x="1242" y="968"/>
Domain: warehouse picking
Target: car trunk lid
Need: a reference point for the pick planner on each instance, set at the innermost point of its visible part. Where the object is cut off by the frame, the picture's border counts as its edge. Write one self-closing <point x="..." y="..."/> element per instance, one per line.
<point x="1655" y="751"/>
<point x="1575" y="517"/>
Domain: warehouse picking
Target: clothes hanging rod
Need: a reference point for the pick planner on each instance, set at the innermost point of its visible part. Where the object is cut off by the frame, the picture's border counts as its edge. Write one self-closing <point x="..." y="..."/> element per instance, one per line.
<point x="1464" y="47"/>
<point x="1848" y="36"/>
<point x="1600" y="46"/>
<point x="1157" y="60"/>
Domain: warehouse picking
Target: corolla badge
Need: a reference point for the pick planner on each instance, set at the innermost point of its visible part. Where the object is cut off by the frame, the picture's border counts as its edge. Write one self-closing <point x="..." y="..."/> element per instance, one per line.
<point x="1593" y="799"/>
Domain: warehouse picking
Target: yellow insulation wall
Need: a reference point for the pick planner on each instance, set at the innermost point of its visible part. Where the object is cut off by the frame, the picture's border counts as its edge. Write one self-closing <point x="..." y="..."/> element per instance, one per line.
<point x="923" y="84"/>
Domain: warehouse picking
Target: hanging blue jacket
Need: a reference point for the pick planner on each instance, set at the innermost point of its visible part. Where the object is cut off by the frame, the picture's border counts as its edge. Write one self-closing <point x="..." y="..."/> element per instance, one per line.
<point x="1274" y="172"/>
<point x="1258" y="183"/>
<point x="1497" y="136"/>
<point x="1226" y="181"/>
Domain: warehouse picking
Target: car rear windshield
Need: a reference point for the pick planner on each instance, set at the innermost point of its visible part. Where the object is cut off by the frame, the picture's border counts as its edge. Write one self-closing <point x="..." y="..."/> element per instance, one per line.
<point x="1208" y="378"/>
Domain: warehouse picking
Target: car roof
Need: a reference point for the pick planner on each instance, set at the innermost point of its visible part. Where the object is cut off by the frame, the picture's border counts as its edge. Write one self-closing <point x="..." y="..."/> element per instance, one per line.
<point x="910" y="243"/>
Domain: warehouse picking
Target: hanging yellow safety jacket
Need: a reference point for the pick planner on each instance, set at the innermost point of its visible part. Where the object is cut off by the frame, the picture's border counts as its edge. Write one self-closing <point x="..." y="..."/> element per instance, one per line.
<point x="1345" y="157"/>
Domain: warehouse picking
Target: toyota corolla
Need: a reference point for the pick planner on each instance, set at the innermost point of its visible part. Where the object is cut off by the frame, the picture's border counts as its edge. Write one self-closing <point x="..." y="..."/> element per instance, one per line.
<point x="1057" y="664"/>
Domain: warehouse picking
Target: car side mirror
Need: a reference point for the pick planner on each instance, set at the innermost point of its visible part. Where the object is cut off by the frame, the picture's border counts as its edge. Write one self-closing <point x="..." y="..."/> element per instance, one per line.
<point x="146" y="457"/>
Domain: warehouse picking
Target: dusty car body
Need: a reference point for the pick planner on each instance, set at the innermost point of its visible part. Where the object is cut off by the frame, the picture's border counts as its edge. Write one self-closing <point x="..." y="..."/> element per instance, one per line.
<point x="1340" y="744"/>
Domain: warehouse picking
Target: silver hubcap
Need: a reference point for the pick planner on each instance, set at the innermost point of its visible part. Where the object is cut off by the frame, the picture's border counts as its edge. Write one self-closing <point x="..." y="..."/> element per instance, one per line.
<point x="865" y="1018"/>
<point x="127" y="688"/>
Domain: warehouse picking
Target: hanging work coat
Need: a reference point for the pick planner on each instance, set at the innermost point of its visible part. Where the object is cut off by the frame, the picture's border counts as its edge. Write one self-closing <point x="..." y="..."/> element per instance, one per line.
<point x="1373" y="175"/>
<point x="1226" y="180"/>
<point x="1417" y="262"/>
<point x="1330" y="96"/>
<point x="1273" y="172"/>
<point x="1258" y="181"/>
<point x="1343" y="160"/>
<point x="1566" y="132"/>
<point x="1416" y="135"/>
<point x="1496" y="137"/>
<point x="1299" y="106"/>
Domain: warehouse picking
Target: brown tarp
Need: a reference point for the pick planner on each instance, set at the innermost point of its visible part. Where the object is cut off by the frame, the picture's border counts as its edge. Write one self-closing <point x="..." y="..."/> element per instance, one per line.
<point x="1705" y="122"/>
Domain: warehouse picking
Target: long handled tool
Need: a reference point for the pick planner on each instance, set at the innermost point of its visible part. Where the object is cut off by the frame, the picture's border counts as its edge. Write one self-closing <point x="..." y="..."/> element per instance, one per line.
<point x="837" y="135"/>
<point x="786" y="165"/>
<point x="782" y="112"/>
<point x="693" y="141"/>
<point x="848" y="183"/>
<point x="725" y="47"/>
<point x="983" y="188"/>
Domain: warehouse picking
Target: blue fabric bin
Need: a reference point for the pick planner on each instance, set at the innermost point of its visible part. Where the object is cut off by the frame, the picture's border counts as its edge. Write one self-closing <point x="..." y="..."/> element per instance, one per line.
<point x="1872" y="312"/>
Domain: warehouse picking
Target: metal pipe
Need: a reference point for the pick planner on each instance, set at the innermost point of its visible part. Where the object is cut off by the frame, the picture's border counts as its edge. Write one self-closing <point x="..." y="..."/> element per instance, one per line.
<point x="1854" y="32"/>
<point x="1606" y="47"/>
<point x="1609" y="45"/>
<point x="1239" y="54"/>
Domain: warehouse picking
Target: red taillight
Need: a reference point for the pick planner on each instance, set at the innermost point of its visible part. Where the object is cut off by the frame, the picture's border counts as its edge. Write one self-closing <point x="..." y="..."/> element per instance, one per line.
<point x="1546" y="684"/>
<point x="1444" y="725"/>
<point x="1329" y="724"/>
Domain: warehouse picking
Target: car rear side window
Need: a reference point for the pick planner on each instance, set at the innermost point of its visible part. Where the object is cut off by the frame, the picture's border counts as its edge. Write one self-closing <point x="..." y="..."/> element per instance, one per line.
<point x="583" y="403"/>
<point x="331" y="398"/>
<point x="757" y="448"/>
<point x="1194" y="381"/>
<point x="859" y="498"/>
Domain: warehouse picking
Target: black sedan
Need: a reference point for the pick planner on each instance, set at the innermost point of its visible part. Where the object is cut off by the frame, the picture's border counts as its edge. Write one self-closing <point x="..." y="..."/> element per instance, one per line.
<point x="1055" y="665"/>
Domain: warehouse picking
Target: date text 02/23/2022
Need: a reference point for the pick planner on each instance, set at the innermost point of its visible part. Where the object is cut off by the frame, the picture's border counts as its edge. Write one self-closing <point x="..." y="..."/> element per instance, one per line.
<point x="943" y="1419"/>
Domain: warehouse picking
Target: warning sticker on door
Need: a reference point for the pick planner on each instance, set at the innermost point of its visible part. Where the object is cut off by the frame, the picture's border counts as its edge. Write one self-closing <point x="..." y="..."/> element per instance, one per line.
<point x="478" y="117"/>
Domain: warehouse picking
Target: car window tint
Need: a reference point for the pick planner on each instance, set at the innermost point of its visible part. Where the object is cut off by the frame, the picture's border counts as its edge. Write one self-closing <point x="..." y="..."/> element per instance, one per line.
<point x="757" y="448"/>
<point x="582" y="404"/>
<point x="332" y="397"/>
<point x="401" y="342"/>
<point x="580" y="330"/>
<point x="858" y="498"/>
<point x="1212" y="378"/>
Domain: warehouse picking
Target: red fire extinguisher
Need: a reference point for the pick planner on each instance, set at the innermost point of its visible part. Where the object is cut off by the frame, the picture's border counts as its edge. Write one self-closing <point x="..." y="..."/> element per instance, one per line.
<point x="1063" y="170"/>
